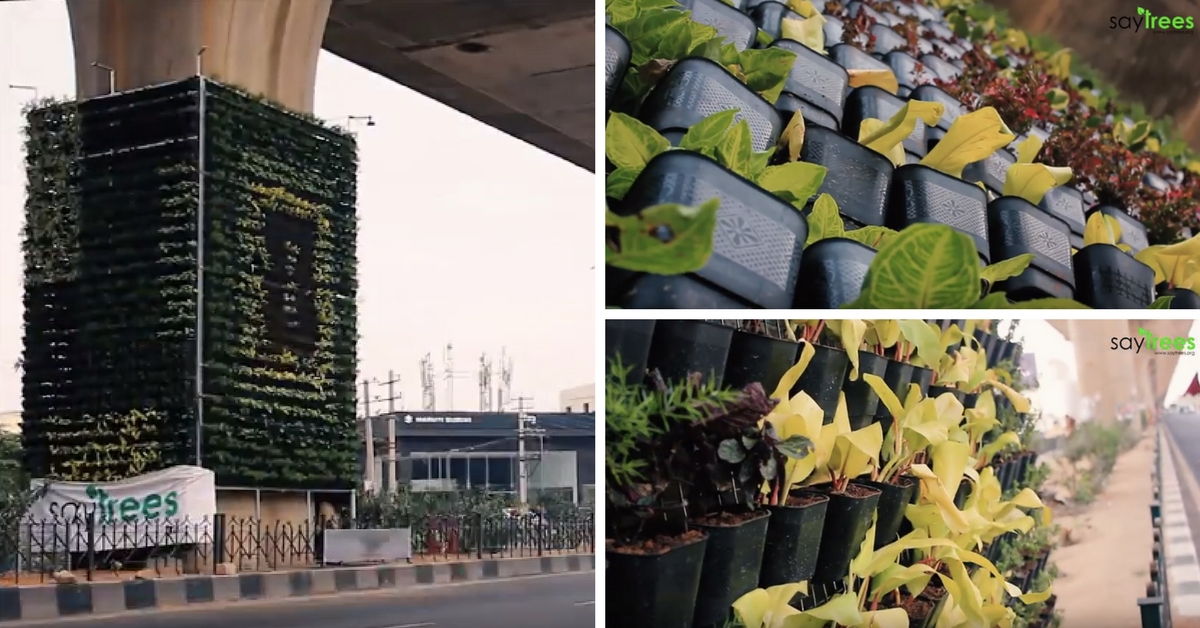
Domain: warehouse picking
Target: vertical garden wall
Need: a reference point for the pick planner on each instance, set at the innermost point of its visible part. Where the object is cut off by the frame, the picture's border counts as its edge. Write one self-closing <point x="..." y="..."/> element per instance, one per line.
<point x="110" y="289"/>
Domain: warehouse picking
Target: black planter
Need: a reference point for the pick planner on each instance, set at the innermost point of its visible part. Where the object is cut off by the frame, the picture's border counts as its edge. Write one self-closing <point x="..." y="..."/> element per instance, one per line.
<point x="862" y="400"/>
<point x="617" y="53"/>
<point x="858" y="178"/>
<point x="938" y="30"/>
<point x="991" y="171"/>
<point x="938" y="391"/>
<point x="846" y="523"/>
<point x="909" y="72"/>
<point x="682" y="347"/>
<point x="897" y="376"/>
<point x="1106" y="278"/>
<point x="832" y="273"/>
<point x="696" y="88"/>
<point x="940" y="67"/>
<point x="816" y="79"/>
<point x="872" y="102"/>
<point x="1017" y="227"/>
<point x="893" y="500"/>
<point x="732" y="561"/>
<point x="769" y="17"/>
<point x="1183" y="299"/>
<point x="963" y="492"/>
<point x="921" y="194"/>
<point x="754" y="358"/>
<point x="656" y="591"/>
<point x="1133" y="232"/>
<point x="793" y="540"/>
<point x="854" y="8"/>
<point x="630" y="342"/>
<point x="853" y="58"/>
<point x="886" y="40"/>
<point x="969" y="400"/>
<point x="736" y="27"/>
<point x="1066" y="203"/>
<point x="823" y="378"/>
<point x="1022" y="468"/>
<point x="814" y="116"/>
<point x="835" y="32"/>
<point x="763" y="275"/>
<point x="1006" y="473"/>
<point x="923" y="378"/>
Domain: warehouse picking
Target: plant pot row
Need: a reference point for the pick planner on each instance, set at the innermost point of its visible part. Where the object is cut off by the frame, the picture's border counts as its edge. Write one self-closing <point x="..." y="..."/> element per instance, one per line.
<point x="1011" y="471"/>
<point x="997" y="349"/>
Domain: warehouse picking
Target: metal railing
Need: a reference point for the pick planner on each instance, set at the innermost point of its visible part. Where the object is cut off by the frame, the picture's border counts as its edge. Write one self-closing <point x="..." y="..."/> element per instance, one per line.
<point x="79" y="542"/>
<point x="1156" y="606"/>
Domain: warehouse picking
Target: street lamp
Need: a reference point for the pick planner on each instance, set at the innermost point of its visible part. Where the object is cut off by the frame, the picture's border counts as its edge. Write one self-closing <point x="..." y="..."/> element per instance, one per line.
<point x="28" y="88"/>
<point x="112" y="76"/>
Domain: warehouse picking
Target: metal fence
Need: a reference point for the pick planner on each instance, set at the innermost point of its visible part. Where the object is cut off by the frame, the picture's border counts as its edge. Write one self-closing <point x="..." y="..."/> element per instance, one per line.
<point x="34" y="550"/>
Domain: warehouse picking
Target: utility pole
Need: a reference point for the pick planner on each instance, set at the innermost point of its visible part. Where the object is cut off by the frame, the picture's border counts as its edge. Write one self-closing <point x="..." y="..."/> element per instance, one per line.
<point x="523" y="422"/>
<point x="391" y="432"/>
<point x="369" y="436"/>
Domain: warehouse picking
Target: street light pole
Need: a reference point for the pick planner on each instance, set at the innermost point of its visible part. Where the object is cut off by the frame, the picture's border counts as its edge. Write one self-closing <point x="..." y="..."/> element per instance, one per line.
<point x="112" y="76"/>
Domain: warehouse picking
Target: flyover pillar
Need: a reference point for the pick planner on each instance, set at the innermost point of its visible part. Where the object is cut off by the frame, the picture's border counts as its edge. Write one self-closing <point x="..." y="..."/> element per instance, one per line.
<point x="266" y="47"/>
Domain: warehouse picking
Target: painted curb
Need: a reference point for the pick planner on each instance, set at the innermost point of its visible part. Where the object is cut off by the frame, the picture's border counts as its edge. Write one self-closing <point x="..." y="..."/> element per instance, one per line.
<point x="53" y="601"/>
<point x="1183" y="572"/>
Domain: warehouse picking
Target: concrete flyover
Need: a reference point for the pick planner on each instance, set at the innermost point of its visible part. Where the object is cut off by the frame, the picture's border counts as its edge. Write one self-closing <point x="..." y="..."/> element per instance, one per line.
<point x="525" y="67"/>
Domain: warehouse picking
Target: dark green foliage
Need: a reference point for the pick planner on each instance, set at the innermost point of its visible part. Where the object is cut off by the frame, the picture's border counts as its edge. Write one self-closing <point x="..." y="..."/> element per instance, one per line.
<point x="110" y="252"/>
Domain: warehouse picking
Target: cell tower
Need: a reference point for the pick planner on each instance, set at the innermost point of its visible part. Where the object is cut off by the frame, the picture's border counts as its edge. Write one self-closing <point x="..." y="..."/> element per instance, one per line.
<point x="428" y="384"/>
<point x="485" y="384"/>
<point x="504" y="391"/>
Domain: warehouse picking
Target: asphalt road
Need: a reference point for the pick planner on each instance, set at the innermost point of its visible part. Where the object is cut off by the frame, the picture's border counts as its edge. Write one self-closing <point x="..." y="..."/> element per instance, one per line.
<point x="536" y="602"/>
<point x="1185" y="429"/>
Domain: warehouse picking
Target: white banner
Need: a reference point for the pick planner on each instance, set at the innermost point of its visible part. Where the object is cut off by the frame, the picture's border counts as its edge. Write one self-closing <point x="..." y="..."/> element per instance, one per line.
<point x="170" y="507"/>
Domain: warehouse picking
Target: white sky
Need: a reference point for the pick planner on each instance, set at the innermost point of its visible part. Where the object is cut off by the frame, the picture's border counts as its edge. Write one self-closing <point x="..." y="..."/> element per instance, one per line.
<point x="466" y="235"/>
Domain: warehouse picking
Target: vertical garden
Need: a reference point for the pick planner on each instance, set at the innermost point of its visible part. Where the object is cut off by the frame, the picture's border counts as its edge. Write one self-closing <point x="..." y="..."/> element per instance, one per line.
<point x="110" y="247"/>
<point x="821" y="474"/>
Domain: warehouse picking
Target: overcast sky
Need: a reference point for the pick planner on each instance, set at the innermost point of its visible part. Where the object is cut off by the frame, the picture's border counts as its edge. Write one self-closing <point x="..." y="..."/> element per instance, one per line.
<point x="466" y="235"/>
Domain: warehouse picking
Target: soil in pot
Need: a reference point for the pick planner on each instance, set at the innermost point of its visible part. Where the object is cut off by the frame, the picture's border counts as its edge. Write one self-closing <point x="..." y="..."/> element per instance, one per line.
<point x="793" y="539"/>
<point x="758" y="358"/>
<point x="861" y="399"/>
<point x="682" y="347"/>
<point x="938" y="391"/>
<point x="629" y="342"/>
<point x="823" y="378"/>
<point x="897" y="376"/>
<point x="847" y="520"/>
<point x="732" y="561"/>
<point x="923" y="378"/>
<point x="656" y="581"/>
<point x="893" y="500"/>
<point x="919" y="609"/>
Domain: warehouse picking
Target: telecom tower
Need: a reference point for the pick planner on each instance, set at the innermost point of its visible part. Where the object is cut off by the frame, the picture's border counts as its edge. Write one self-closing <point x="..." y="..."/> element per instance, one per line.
<point x="428" y="384"/>
<point x="504" y="391"/>
<point x="485" y="384"/>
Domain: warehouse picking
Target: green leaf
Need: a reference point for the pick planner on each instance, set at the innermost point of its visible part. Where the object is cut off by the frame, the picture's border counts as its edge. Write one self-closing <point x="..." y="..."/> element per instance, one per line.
<point x="795" y="446"/>
<point x="926" y="266"/>
<point x="795" y="181"/>
<point x="993" y="301"/>
<point x="1161" y="303"/>
<point x="824" y="222"/>
<point x="731" y="451"/>
<point x="766" y="70"/>
<point x="1007" y="269"/>
<point x="630" y="144"/>
<point x="763" y="38"/>
<point x="705" y="135"/>
<point x="1050" y="304"/>
<point x="664" y="239"/>
<point x="618" y="182"/>
<point x="736" y="149"/>
<point x="873" y="237"/>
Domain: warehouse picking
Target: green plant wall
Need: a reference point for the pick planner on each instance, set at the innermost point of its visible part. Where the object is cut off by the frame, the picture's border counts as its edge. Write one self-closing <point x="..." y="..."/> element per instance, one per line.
<point x="110" y="253"/>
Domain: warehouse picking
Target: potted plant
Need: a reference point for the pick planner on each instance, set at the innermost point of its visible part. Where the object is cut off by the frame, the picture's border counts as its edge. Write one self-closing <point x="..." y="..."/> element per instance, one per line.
<point x="759" y="351"/>
<point x="680" y="348"/>
<point x="861" y="399"/>
<point x="937" y="352"/>
<point x="1106" y="277"/>
<point x="654" y="555"/>
<point x="836" y="260"/>
<point x="617" y="53"/>
<point x="1176" y="271"/>
<point x="883" y="337"/>
<point x="823" y="378"/>
<point x="627" y="342"/>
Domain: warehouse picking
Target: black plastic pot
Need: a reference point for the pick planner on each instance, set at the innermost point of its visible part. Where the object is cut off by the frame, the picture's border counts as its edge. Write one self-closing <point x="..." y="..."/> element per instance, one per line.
<point x="1016" y="227"/>
<point x="852" y="58"/>
<point x="854" y="8"/>
<point x="755" y="358"/>
<point x="1066" y="203"/>
<point x="1133" y="232"/>
<point x="938" y="391"/>
<point x="909" y="72"/>
<point x="1108" y="279"/>
<point x="737" y="275"/>
<point x="987" y="342"/>
<point x="1006" y="473"/>
<point x="732" y="561"/>
<point x="991" y="171"/>
<point x="835" y="31"/>
<point x="617" y="53"/>
<point x="1156" y="182"/>
<point x="897" y="376"/>
<point x="656" y="591"/>
<point x="769" y="17"/>
<point x="816" y="79"/>
<point x="823" y="378"/>
<point x="682" y="347"/>
<point x="963" y="492"/>
<point x="893" y="500"/>
<point x="736" y="27"/>
<point x="886" y="40"/>
<point x="630" y="342"/>
<point x="696" y="88"/>
<point x="1183" y="299"/>
<point x="872" y="102"/>
<point x="969" y="400"/>
<point x="793" y="540"/>
<point x="788" y="104"/>
<point x="922" y="194"/>
<point x="832" y="273"/>
<point x="1022" y="468"/>
<point x="846" y="523"/>
<point x="923" y="378"/>
<point x="938" y="30"/>
<point x="940" y="67"/>
<point x="862" y="400"/>
<point x="858" y="178"/>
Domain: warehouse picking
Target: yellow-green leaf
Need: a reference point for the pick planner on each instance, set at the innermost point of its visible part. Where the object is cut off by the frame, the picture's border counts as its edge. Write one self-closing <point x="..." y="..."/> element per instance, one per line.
<point x="736" y="149"/>
<point x="795" y="182"/>
<point x="901" y="125"/>
<point x="1028" y="150"/>
<point x="809" y="31"/>
<point x="1032" y="181"/>
<point x="873" y="237"/>
<point x="972" y="137"/>
<point x="994" y="273"/>
<point x="663" y="239"/>
<point x="1059" y="99"/>
<point x="824" y="221"/>
<point x="879" y="77"/>
<point x="926" y="266"/>
<point x="792" y="138"/>
<point x="629" y="143"/>
<point x="1101" y="229"/>
<point x="618" y="182"/>
<point x="706" y="135"/>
